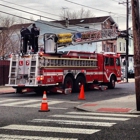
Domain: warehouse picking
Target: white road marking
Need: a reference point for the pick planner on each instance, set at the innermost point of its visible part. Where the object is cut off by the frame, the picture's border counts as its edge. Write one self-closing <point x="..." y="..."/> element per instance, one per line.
<point x="26" y="103"/>
<point x="105" y="124"/>
<point x="103" y="114"/>
<point x="91" y="117"/>
<point x="33" y="105"/>
<point x="50" y="129"/>
<point x="38" y="105"/>
<point x="19" y="102"/>
<point x="54" y="102"/>
<point x="8" y="100"/>
<point x="72" y="102"/>
<point x="19" y="137"/>
<point x="57" y="108"/>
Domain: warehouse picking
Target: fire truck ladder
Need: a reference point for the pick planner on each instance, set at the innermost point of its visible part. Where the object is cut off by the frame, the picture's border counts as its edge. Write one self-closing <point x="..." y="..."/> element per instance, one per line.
<point x="33" y="70"/>
<point x="68" y="62"/>
<point x="13" y="69"/>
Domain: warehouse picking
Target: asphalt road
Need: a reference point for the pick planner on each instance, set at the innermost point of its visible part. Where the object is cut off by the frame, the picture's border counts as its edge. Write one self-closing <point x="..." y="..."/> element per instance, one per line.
<point x="20" y="118"/>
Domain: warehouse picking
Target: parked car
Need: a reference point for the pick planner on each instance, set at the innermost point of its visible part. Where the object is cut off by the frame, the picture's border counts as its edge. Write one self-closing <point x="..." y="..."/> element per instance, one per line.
<point x="122" y="73"/>
<point x="131" y="73"/>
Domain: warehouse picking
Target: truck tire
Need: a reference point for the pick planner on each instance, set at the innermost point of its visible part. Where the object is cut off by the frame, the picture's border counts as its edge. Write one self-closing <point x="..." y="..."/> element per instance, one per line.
<point x="80" y="80"/>
<point x="39" y="91"/>
<point x="111" y="84"/>
<point x="68" y="82"/>
<point x="18" y="90"/>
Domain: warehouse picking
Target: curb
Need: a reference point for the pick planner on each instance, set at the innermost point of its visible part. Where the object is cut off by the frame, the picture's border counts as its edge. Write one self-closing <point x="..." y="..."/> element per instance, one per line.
<point x="133" y="111"/>
<point x="85" y="110"/>
<point x="6" y="92"/>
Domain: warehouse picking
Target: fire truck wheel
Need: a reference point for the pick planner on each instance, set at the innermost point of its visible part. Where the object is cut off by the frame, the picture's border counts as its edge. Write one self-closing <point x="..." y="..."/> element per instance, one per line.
<point x="39" y="91"/>
<point x="79" y="81"/>
<point x="18" y="90"/>
<point x="111" y="84"/>
<point x="68" y="83"/>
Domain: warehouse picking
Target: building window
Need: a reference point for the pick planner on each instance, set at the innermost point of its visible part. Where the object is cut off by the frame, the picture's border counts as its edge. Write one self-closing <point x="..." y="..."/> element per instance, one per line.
<point x="114" y="48"/>
<point x="120" y="45"/>
<point x="124" y="46"/>
<point x="107" y="49"/>
<point x="104" y="47"/>
<point x="130" y="59"/>
<point x="130" y="42"/>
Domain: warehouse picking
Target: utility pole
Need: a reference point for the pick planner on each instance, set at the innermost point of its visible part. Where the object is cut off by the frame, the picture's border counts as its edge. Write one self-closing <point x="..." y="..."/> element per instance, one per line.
<point x="136" y="40"/>
<point x="127" y="39"/>
<point x="64" y="8"/>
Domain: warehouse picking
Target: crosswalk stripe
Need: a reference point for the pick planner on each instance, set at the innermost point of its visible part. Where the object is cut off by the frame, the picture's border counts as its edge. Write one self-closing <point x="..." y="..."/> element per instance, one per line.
<point x="25" y="103"/>
<point x="50" y="129"/>
<point x="103" y="114"/>
<point x="91" y="117"/>
<point x="33" y="105"/>
<point x="54" y="102"/>
<point x="19" y="137"/>
<point x="58" y="108"/>
<point x="8" y="100"/>
<point x="72" y="102"/>
<point x="19" y="102"/>
<point x="105" y="124"/>
<point x="49" y="103"/>
<point x="39" y="104"/>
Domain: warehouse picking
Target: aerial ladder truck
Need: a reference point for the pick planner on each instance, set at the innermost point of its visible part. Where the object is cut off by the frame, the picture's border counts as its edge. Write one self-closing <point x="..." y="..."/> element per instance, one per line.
<point x="65" y="71"/>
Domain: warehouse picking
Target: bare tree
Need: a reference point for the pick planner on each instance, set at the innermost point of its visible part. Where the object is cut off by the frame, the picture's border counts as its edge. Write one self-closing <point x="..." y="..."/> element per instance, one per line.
<point x="9" y="36"/>
<point x="6" y="42"/>
<point x="82" y="13"/>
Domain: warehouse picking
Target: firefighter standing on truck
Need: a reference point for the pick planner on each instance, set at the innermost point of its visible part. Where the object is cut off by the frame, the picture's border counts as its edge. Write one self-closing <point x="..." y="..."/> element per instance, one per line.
<point x="26" y="38"/>
<point x="36" y="32"/>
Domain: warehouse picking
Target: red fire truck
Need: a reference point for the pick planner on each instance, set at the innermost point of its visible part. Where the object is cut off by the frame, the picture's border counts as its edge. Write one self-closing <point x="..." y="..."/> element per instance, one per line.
<point x="65" y="71"/>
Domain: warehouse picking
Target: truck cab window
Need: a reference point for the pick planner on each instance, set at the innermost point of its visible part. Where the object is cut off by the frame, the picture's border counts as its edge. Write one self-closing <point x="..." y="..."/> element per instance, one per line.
<point x="111" y="61"/>
<point x="117" y="62"/>
<point x="107" y="61"/>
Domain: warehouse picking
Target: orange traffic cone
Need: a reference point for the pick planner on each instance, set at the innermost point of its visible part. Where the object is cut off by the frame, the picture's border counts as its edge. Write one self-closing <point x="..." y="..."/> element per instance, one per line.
<point x="44" y="104"/>
<point x="81" y="94"/>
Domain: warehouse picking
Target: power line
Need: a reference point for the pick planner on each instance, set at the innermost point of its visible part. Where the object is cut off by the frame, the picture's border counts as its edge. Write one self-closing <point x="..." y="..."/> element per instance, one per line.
<point x="61" y="16"/>
<point x="26" y="11"/>
<point x="116" y="0"/>
<point x="119" y="2"/>
<point x="33" y="14"/>
<point x="30" y="8"/>
<point x="39" y="21"/>
<point x="92" y="7"/>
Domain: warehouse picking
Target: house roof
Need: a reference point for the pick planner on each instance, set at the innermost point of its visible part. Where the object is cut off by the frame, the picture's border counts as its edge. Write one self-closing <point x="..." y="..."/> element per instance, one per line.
<point x="19" y="26"/>
<point x="86" y="20"/>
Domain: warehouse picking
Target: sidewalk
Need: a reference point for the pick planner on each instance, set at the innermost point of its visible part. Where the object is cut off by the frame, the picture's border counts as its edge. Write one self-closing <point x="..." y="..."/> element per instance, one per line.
<point x="4" y="89"/>
<point x="125" y="104"/>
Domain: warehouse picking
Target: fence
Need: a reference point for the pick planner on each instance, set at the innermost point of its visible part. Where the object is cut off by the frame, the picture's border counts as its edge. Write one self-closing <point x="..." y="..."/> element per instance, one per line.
<point x="4" y="71"/>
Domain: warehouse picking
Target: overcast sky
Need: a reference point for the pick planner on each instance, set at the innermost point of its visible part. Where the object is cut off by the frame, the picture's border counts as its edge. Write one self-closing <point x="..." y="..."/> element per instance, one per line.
<point x="53" y="8"/>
